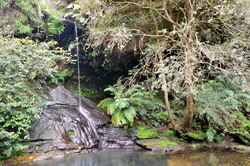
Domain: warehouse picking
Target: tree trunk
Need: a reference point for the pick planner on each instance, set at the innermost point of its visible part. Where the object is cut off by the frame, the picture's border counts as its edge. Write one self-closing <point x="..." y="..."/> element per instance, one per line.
<point x="164" y="81"/>
<point x="189" y="71"/>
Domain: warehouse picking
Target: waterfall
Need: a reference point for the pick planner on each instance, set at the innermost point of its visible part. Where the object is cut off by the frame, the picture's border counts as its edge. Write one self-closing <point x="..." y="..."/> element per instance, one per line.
<point x="92" y="126"/>
<point x="78" y="65"/>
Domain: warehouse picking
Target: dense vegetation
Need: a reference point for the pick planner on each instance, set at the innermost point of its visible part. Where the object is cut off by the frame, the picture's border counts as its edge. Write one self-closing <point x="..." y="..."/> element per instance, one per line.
<point x="26" y="67"/>
<point x="195" y="53"/>
<point x="193" y="71"/>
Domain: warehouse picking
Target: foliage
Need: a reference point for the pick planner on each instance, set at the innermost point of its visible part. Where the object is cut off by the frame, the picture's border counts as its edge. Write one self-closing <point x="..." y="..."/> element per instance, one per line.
<point x="24" y="68"/>
<point x="129" y="103"/>
<point x="182" y="43"/>
<point x="9" y="146"/>
<point x="225" y="107"/>
<point x="29" y="17"/>
<point x="59" y="77"/>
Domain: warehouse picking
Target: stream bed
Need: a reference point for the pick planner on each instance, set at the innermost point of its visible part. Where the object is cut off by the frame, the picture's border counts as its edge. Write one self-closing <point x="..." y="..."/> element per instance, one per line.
<point x="129" y="157"/>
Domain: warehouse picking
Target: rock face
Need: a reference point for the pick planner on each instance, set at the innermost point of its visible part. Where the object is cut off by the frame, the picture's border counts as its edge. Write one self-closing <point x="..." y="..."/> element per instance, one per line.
<point x="66" y="123"/>
<point x="70" y="124"/>
<point x="115" y="137"/>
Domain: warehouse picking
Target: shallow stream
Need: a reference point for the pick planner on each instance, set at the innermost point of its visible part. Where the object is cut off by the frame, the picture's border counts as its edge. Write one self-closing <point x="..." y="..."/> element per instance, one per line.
<point x="127" y="157"/>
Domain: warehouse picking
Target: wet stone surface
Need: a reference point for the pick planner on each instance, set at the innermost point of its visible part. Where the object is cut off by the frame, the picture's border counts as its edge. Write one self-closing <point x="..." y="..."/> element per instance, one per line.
<point x="65" y="124"/>
<point x="115" y="137"/>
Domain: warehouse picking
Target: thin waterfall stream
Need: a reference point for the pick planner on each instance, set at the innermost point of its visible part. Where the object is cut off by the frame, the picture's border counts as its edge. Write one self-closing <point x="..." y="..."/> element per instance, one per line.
<point x="78" y="64"/>
<point x="92" y="126"/>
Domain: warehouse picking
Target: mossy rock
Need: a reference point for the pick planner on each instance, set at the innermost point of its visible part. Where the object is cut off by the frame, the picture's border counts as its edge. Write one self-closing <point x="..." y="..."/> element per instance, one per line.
<point x="199" y="136"/>
<point x="161" y="144"/>
<point x="147" y="133"/>
<point x="169" y="133"/>
<point x="242" y="148"/>
<point x="165" y="142"/>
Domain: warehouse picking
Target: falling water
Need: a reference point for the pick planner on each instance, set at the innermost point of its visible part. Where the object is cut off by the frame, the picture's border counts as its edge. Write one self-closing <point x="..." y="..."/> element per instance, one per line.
<point x="78" y="64"/>
<point x="84" y="113"/>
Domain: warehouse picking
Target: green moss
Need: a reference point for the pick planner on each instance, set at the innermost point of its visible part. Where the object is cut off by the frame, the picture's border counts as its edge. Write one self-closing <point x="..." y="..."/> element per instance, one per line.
<point x="169" y="133"/>
<point x="58" y="105"/>
<point x="166" y="142"/>
<point x="199" y="136"/>
<point x="195" y="145"/>
<point x="149" y="133"/>
<point x="71" y="132"/>
<point x="241" y="147"/>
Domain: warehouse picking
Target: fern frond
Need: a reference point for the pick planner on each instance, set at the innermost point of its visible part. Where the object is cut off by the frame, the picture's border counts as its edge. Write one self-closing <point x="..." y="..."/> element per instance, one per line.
<point x="136" y="101"/>
<point x="138" y="94"/>
<point x="111" y="89"/>
<point x="111" y="108"/>
<point x="122" y="103"/>
<point x="130" y="113"/>
<point x="117" y="117"/>
<point x="105" y="103"/>
<point x="210" y="134"/>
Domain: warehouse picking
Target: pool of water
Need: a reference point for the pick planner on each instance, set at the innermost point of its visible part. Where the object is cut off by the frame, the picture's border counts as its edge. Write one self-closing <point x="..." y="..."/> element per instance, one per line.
<point x="126" y="157"/>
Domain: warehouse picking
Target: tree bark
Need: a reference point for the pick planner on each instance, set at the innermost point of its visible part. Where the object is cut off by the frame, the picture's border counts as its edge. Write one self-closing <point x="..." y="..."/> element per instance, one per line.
<point x="189" y="71"/>
<point x="164" y="81"/>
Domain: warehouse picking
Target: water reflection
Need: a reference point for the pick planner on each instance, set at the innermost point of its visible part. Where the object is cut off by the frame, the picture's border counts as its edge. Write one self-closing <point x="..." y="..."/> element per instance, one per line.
<point x="124" y="157"/>
<point x="211" y="157"/>
<point x="116" y="157"/>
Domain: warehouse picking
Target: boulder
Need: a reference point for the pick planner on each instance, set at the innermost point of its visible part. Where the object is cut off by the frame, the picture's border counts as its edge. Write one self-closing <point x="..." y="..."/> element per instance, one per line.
<point x="66" y="123"/>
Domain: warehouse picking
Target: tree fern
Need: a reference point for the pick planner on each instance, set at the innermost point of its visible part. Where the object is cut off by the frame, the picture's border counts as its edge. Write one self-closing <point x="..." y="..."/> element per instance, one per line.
<point x="128" y="103"/>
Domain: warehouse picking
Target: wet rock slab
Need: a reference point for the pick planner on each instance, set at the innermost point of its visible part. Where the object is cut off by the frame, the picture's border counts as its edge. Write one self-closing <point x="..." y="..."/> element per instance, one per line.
<point x="116" y="138"/>
<point x="66" y="123"/>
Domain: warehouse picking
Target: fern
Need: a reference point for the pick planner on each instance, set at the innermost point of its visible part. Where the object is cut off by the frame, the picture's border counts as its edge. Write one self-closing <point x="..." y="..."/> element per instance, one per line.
<point x="104" y="103"/>
<point x="210" y="134"/>
<point x="128" y="103"/>
<point x="224" y="106"/>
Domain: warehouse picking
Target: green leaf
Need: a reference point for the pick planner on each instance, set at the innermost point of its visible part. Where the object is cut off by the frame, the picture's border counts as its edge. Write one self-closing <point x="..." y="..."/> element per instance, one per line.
<point x="210" y="134"/>
<point x="117" y="117"/>
<point x="111" y="108"/>
<point x="111" y="89"/>
<point x="130" y="113"/>
<point x="122" y="103"/>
